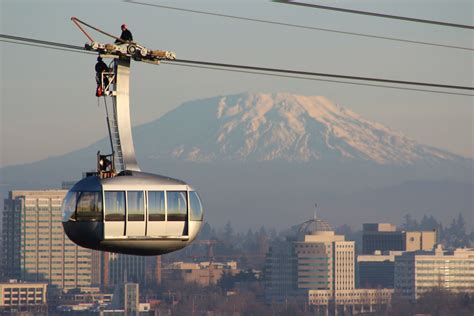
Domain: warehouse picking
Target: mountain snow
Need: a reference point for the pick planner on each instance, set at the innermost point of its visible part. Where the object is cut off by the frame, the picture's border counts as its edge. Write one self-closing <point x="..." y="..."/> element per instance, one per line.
<point x="281" y="126"/>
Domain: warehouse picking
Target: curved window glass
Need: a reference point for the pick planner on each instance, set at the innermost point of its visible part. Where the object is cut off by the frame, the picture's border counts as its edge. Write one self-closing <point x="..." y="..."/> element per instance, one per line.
<point x="114" y="206"/>
<point x="89" y="206"/>
<point x="156" y="205"/>
<point x="136" y="206"/>
<point x="69" y="206"/>
<point x="195" y="206"/>
<point x="177" y="206"/>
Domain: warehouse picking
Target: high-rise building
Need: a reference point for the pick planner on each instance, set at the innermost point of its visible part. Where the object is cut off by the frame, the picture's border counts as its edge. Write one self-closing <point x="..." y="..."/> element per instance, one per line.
<point x="419" y="272"/>
<point x="34" y="246"/>
<point x="385" y="237"/>
<point x="280" y="271"/>
<point x="131" y="303"/>
<point x="377" y="270"/>
<point x="325" y="260"/>
<point x="126" y="268"/>
<point x="318" y="266"/>
<point x="122" y="268"/>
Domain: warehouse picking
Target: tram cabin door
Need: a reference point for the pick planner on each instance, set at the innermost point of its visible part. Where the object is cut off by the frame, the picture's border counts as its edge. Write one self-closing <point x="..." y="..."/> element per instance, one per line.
<point x="135" y="225"/>
<point x="114" y="214"/>
<point x="167" y="214"/>
<point x="124" y="214"/>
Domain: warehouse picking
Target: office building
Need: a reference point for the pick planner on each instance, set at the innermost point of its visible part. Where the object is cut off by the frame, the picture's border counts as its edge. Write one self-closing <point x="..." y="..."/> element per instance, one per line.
<point x="126" y="268"/>
<point x="385" y="237"/>
<point x="325" y="260"/>
<point x="280" y="272"/>
<point x="120" y="268"/>
<point x="23" y="297"/>
<point x="419" y="272"/>
<point x="376" y="270"/>
<point x="319" y="269"/>
<point x="131" y="297"/>
<point x="203" y="273"/>
<point x="34" y="246"/>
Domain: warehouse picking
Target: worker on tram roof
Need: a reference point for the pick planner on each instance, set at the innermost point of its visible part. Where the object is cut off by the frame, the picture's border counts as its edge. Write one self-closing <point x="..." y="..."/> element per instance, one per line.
<point x="126" y="34"/>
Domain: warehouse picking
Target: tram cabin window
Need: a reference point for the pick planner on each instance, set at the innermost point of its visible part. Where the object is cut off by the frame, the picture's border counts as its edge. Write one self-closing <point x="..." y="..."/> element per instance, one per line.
<point x="177" y="206"/>
<point x="156" y="206"/>
<point x="89" y="206"/>
<point x="114" y="206"/>
<point x="69" y="206"/>
<point x="136" y="206"/>
<point x="195" y="206"/>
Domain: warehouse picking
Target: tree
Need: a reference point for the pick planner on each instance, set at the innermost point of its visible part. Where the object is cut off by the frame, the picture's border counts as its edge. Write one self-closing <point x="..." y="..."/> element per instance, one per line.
<point x="409" y="223"/>
<point x="206" y="232"/>
<point x="228" y="232"/>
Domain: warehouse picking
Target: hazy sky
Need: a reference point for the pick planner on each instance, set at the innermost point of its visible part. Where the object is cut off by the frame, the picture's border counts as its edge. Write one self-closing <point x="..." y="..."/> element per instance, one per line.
<point x="48" y="105"/>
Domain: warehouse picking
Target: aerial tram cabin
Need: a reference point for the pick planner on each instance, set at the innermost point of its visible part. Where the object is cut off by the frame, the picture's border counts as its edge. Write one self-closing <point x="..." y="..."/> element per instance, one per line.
<point x="119" y="208"/>
<point x="133" y="212"/>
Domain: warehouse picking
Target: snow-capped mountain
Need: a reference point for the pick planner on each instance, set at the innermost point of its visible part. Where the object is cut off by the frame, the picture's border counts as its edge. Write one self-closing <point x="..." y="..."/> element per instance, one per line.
<point x="282" y="126"/>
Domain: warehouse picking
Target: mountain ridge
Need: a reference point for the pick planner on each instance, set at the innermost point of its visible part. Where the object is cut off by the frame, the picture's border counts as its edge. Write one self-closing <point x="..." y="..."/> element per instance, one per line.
<point x="280" y="126"/>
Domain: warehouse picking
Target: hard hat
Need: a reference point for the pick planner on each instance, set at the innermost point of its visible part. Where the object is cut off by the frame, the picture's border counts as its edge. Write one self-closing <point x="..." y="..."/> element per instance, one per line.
<point x="123" y="26"/>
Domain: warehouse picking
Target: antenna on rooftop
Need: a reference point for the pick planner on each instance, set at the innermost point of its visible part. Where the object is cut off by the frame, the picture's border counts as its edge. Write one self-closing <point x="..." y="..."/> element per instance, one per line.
<point x="315" y="210"/>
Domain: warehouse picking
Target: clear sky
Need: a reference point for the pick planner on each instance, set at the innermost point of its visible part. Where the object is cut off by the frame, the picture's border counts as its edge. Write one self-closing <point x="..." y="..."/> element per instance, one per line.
<point x="48" y="105"/>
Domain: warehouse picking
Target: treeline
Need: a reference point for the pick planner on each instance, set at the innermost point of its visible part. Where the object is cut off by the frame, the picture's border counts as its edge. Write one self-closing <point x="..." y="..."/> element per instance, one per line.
<point x="230" y="244"/>
<point x="438" y="301"/>
<point x="454" y="235"/>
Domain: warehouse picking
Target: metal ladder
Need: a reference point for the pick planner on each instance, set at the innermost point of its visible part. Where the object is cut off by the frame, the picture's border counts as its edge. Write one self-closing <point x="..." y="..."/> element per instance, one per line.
<point x="116" y="145"/>
<point x="114" y="135"/>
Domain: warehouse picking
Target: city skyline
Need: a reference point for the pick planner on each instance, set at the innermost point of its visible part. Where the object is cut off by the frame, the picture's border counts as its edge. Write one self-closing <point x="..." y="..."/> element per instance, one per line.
<point x="309" y="267"/>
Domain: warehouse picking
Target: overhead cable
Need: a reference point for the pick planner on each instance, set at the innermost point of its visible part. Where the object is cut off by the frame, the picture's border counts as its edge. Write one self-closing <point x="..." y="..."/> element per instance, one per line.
<point x="320" y="74"/>
<point x="298" y="25"/>
<point x="315" y="79"/>
<point x="286" y="73"/>
<point x="380" y="15"/>
<point x="46" y="46"/>
<point x="32" y="40"/>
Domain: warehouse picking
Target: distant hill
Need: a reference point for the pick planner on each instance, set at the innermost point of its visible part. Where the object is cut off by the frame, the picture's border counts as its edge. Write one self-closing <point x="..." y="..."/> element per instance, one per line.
<point x="264" y="159"/>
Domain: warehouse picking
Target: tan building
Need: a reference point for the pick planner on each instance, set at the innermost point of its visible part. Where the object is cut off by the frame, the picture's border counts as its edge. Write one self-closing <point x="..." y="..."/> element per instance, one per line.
<point x="385" y="237"/>
<point x="319" y="269"/>
<point x="29" y="298"/>
<point x="325" y="260"/>
<point x="420" y="271"/>
<point x="202" y="273"/>
<point x="350" y="302"/>
<point x="419" y="240"/>
<point x="34" y="246"/>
